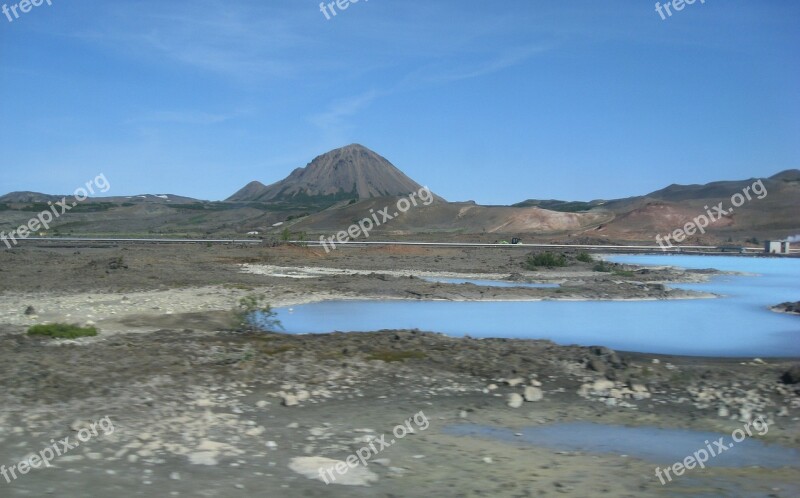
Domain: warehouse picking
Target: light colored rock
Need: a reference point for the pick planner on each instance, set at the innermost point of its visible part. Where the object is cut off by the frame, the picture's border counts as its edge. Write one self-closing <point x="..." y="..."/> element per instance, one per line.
<point x="533" y="394"/>
<point x="262" y="404"/>
<point x="290" y="400"/>
<point x="255" y="431"/>
<point x="723" y="412"/>
<point x="309" y="467"/>
<point x="303" y="395"/>
<point x="204" y="458"/>
<point x="515" y="400"/>
<point x="602" y="385"/>
<point x="515" y="382"/>
<point x="536" y="383"/>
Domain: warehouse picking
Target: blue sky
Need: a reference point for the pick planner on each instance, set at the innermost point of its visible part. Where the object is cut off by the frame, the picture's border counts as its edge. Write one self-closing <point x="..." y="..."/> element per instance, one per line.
<point x="495" y="102"/>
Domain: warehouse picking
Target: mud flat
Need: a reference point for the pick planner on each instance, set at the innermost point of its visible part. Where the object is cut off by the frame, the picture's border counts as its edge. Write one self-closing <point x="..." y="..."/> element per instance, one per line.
<point x="202" y="410"/>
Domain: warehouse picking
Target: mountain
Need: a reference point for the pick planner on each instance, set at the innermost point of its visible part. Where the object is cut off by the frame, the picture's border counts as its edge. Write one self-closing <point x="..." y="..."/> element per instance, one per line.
<point x="351" y="172"/>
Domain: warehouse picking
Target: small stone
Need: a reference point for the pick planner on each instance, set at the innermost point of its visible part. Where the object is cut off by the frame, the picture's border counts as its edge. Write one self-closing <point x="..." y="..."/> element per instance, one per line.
<point x="514" y="400"/>
<point x="290" y="400"/>
<point x="487" y="459"/>
<point x="515" y="382"/>
<point x="533" y="394"/>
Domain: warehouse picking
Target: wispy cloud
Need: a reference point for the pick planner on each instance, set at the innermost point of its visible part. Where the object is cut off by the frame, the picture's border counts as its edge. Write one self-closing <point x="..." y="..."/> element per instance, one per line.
<point x="333" y="118"/>
<point x="454" y="70"/>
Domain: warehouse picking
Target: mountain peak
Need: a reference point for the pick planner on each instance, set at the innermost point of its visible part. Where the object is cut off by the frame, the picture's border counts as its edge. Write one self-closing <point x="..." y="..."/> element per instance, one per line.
<point x="349" y="172"/>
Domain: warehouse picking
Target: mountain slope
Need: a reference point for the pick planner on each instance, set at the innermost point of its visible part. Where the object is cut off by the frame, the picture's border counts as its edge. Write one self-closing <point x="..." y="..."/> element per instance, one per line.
<point x="352" y="172"/>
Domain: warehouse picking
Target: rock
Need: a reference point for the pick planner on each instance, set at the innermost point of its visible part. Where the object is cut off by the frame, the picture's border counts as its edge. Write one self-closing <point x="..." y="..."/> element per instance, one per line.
<point x="533" y="394"/>
<point x="204" y="458"/>
<point x="602" y="385"/>
<point x="515" y="382"/>
<point x="303" y="395"/>
<point x="309" y="467"/>
<point x="487" y="459"/>
<point x="515" y="400"/>
<point x="536" y="383"/>
<point x="791" y="376"/>
<point x="596" y="365"/>
<point x="290" y="400"/>
<point x="262" y="404"/>
<point x="723" y="412"/>
<point x="491" y="387"/>
<point x="30" y="310"/>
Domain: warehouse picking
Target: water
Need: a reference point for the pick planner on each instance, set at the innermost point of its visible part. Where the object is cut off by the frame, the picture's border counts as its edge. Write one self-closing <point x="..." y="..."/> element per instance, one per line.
<point x="490" y="283"/>
<point x="740" y="324"/>
<point x="662" y="446"/>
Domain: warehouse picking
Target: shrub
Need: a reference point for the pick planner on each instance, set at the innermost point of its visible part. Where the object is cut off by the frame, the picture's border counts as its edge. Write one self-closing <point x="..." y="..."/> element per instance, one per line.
<point x="602" y="266"/>
<point x="545" y="259"/>
<point x="62" y="331"/>
<point x="253" y="313"/>
<point x="585" y="257"/>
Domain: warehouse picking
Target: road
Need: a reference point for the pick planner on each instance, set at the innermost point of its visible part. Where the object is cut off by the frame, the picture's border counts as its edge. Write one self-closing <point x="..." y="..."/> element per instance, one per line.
<point x="592" y="247"/>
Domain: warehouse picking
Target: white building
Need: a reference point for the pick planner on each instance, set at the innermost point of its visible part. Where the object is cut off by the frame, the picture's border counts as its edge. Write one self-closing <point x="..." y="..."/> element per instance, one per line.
<point x="776" y="247"/>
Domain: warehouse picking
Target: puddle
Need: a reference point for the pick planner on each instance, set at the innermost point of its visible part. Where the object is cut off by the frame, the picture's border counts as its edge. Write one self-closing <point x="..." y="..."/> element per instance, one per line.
<point x="662" y="446"/>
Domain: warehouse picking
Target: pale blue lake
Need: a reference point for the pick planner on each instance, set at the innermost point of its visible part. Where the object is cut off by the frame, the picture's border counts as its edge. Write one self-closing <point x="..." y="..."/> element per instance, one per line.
<point x="738" y="324"/>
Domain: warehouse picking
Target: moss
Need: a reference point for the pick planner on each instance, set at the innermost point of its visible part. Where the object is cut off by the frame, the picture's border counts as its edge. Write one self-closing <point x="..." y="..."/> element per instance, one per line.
<point x="62" y="331"/>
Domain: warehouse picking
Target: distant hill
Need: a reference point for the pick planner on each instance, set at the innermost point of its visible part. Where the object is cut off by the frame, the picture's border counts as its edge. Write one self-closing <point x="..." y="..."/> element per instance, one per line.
<point x="27" y="197"/>
<point x="562" y="206"/>
<point x="351" y="172"/>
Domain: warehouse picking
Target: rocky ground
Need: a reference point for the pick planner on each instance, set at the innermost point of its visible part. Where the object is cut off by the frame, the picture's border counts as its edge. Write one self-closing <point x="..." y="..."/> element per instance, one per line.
<point x="200" y="408"/>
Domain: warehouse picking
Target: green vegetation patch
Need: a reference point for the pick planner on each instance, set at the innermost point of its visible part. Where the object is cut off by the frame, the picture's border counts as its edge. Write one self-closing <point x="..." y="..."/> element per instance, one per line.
<point x="545" y="260"/>
<point x="62" y="331"/>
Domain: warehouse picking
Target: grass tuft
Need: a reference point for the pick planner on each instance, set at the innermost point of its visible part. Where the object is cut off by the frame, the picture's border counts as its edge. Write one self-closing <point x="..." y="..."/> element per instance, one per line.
<point x="62" y="331"/>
